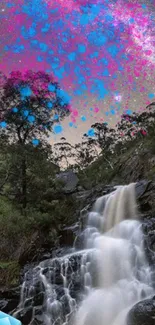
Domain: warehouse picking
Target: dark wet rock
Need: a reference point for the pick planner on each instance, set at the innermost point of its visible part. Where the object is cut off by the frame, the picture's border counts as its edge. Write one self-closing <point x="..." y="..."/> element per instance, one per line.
<point x="28" y="303"/>
<point x="12" y="293"/>
<point x="76" y="286"/>
<point x="9" y="299"/>
<point x="68" y="235"/>
<point x="87" y="198"/>
<point x="51" y="270"/>
<point x="62" y="251"/>
<point x="141" y="188"/>
<point x="148" y="227"/>
<point x="38" y="299"/>
<point x="65" y="303"/>
<point x="3" y="305"/>
<point x="25" y="315"/>
<point x="146" y="197"/>
<point x="82" y="195"/>
<point x="143" y="313"/>
<point x="79" y="241"/>
<point x="8" y="305"/>
<point x="38" y="318"/>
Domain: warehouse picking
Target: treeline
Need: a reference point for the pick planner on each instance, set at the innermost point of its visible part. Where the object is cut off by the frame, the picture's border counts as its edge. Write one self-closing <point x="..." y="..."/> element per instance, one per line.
<point x="105" y="141"/>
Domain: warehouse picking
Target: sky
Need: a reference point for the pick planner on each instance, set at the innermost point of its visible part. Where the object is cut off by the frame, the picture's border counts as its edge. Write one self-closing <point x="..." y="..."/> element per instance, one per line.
<point x="101" y="52"/>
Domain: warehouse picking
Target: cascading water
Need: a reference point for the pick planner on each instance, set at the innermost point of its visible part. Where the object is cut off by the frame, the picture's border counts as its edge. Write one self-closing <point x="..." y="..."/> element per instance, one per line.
<point x="123" y="276"/>
<point x="101" y="283"/>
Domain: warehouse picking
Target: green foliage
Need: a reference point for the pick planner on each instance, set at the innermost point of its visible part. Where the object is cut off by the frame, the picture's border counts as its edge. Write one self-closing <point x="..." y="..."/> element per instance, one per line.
<point x="17" y="229"/>
<point x="9" y="273"/>
<point x="98" y="172"/>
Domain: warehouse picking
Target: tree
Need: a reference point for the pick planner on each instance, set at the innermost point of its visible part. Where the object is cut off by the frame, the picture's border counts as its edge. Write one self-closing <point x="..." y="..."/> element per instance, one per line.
<point x="29" y="106"/>
<point x="132" y="126"/>
<point x="85" y="152"/>
<point x="63" y="153"/>
<point x="105" y="139"/>
<point x="105" y="136"/>
<point x="5" y="166"/>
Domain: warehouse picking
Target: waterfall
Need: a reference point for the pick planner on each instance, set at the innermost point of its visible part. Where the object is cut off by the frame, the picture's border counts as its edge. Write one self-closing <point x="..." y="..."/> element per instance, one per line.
<point x="99" y="284"/>
<point x="123" y="275"/>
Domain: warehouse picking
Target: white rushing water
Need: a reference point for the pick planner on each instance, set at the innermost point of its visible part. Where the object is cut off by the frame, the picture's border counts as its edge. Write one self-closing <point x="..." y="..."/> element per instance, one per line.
<point x="99" y="284"/>
<point x="123" y="276"/>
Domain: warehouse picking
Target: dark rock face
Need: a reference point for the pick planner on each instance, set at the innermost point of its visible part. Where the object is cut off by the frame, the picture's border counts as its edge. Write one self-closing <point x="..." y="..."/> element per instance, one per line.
<point x="38" y="318"/>
<point x="143" y="313"/>
<point x="145" y="192"/>
<point x="70" y="181"/>
<point x="8" y="305"/>
<point x="141" y="188"/>
<point x="36" y="291"/>
<point x="68" y="235"/>
<point x="25" y="315"/>
<point x="9" y="299"/>
<point x="146" y="197"/>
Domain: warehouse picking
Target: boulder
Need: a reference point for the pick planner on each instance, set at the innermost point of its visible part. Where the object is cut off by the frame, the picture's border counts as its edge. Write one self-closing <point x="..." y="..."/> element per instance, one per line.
<point x="143" y="313"/>
<point x="70" y="180"/>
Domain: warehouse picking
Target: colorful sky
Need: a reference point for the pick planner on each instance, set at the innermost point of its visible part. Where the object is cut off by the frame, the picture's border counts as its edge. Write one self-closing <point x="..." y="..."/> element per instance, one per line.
<point x="101" y="52"/>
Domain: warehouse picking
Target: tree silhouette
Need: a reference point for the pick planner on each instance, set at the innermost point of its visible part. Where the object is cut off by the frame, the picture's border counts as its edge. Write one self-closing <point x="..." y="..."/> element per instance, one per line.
<point x="105" y="136"/>
<point x="63" y="151"/>
<point x="85" y="151"/>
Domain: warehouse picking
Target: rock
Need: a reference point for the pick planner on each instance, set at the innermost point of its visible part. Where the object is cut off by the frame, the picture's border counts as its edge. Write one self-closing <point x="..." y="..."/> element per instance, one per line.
<point x="143" y="313"/>
<point x="3" y="306"/>
<point x="8" y="305"/>
<point x="79" y="241"/>
<point x="149" y="239"/>
<point x="25" y="315"/>
<point x="80" y="188"/>
<point x="70" y="180"/>
<point x="38" y="316"/>
<point x="68" y="235"/>
<point x="10" y="293"/>
<point x="141" y="188"/>
<point x="38" y="299"/>
<point x="9" y="299"/>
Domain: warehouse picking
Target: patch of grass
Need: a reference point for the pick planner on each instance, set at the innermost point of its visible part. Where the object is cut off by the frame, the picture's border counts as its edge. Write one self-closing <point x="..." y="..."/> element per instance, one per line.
<point x="9" y="273"/>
